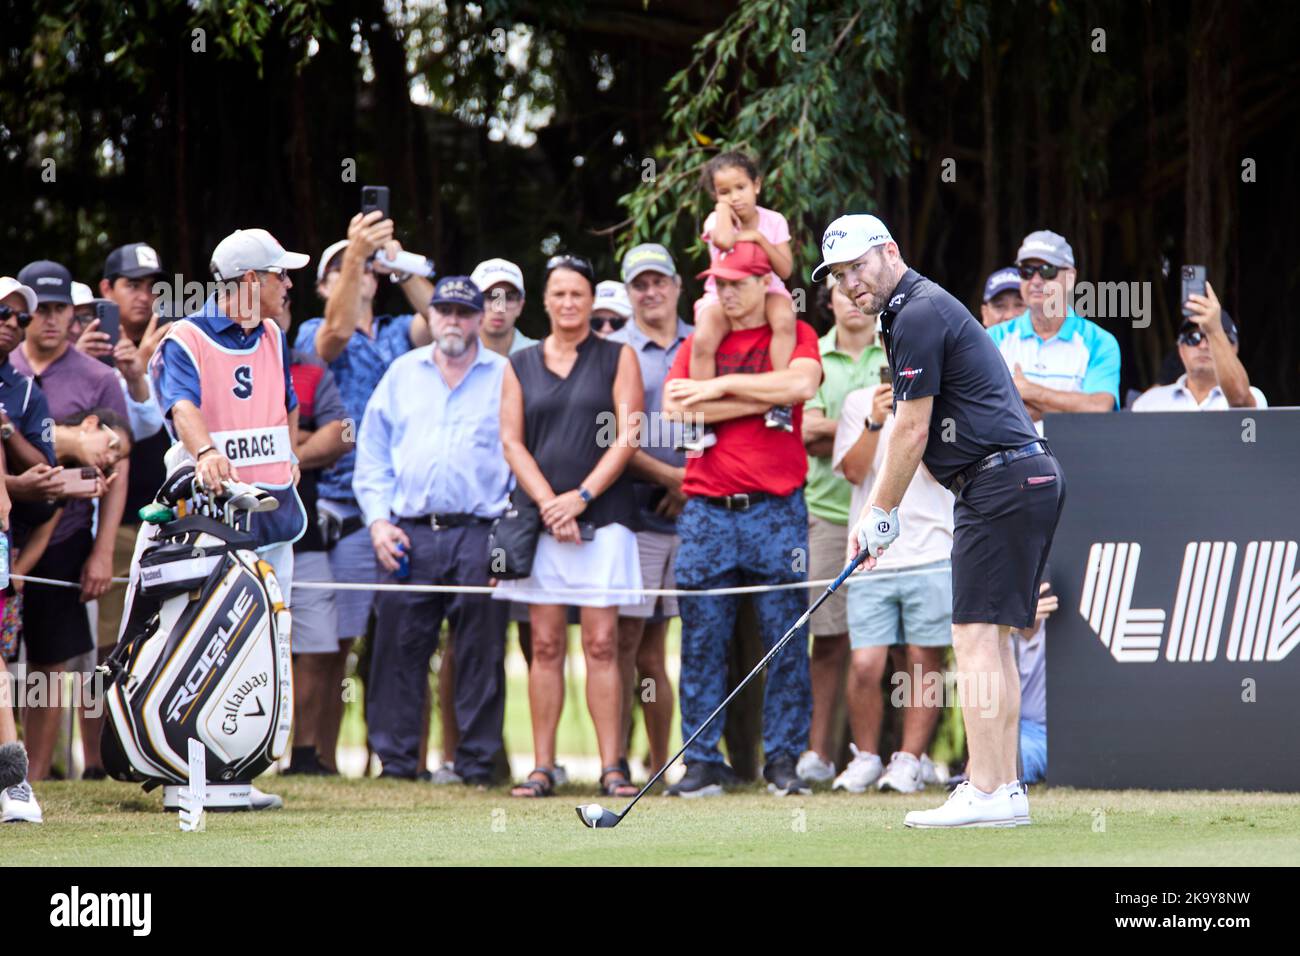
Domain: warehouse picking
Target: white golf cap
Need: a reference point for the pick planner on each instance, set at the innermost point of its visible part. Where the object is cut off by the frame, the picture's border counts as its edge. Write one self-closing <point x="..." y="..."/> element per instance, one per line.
<point x="81" y="294"/>
<point x="491" y="271"/>
<point x="9" y="285"/>
<point x="849" y="237"/>
<point x="612" y="297"/>
<point x="330" y="252"/>
<point x="255" y="249"/>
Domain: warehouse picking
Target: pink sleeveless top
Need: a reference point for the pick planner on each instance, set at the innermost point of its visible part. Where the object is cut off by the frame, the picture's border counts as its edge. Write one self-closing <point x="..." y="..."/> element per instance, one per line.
<point x="244" y="402"/>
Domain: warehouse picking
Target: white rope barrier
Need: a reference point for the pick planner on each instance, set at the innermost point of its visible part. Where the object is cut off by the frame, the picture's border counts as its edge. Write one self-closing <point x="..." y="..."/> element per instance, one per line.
<point x="559" y="592"/>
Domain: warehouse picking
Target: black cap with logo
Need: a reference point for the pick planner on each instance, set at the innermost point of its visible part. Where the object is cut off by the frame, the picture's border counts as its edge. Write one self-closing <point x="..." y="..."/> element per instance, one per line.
<point x="135" y="260"/>
<point x="50" y="281"/>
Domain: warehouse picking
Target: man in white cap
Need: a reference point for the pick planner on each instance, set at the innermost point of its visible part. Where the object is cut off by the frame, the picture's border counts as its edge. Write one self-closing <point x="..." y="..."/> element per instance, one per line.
<point x="223" y="383"/>
<point x="958" y="411"/>
<point x="502" y="283"/>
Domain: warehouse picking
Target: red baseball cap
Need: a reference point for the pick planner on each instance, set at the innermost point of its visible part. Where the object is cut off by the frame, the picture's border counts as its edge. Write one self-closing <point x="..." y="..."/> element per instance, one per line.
<point x="744" y="259"/>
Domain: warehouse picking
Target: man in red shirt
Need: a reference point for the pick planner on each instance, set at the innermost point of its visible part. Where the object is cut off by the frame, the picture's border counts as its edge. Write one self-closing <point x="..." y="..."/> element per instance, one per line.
<point x="744" y="523"/>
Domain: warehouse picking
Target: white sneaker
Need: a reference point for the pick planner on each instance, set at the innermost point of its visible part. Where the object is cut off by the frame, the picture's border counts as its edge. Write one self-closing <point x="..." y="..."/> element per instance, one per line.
<point x="967" y="807"/>
<point x="257" y="800"/>
<point x="932" y="774"/>
<point x="861" y="773"/>
<point x="814" y="769"/>
<point x="446" y="774"/>
<point x="18" y="805"/>
<point x="1019" y="802"/>
<point x="903" y="775"/>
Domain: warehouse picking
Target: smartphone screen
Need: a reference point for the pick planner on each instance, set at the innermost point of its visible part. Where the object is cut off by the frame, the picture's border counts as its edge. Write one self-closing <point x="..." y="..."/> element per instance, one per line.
<point x="1193" y="284"/>
<point x="374" y="197"/>
<point x="886" y="374"/>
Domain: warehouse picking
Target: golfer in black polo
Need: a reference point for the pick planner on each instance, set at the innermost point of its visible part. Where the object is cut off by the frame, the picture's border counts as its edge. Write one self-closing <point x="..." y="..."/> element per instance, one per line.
<point x="958" y="410"/>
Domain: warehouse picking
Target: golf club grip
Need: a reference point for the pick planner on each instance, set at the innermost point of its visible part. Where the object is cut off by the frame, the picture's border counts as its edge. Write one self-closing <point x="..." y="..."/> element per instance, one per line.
<point x="767" y="658"/>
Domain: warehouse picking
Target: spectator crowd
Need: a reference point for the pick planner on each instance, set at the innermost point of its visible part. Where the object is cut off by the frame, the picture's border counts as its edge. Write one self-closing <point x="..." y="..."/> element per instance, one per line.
<point x="641" y="454"/>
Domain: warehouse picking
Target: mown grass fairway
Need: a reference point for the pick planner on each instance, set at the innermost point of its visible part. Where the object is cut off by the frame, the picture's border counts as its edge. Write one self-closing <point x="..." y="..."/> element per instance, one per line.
<point x="371" y="822"/>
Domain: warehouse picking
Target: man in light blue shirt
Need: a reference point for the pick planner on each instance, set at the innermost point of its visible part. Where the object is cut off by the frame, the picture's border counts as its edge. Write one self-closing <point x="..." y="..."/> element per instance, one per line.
<point x="1061" y="362"/>
<point x="430" y="477"/>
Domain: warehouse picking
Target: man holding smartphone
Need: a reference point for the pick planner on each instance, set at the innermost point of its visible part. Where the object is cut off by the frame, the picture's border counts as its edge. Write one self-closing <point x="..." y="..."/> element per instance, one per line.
<point x="56" y="628"/>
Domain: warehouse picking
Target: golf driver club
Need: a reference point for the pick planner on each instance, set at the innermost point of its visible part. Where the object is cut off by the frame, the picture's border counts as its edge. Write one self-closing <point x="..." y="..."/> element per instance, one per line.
<point x="596" y="817"/>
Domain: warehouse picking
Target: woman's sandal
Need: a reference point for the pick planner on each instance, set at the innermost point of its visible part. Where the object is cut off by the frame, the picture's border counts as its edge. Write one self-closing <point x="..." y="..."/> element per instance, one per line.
<point x="620" y="786"/>
<point x="532" y="787"/>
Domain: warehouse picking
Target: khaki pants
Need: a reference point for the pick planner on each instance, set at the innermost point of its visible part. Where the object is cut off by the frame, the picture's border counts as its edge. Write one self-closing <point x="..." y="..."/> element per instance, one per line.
<point x="112" y="600"/>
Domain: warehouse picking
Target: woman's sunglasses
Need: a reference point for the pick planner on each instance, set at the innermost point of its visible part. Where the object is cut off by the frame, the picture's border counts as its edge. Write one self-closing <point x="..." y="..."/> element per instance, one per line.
<point x="598" y="322"/>
<point x="1046" y="270"/>
<point x="24" y="318"/>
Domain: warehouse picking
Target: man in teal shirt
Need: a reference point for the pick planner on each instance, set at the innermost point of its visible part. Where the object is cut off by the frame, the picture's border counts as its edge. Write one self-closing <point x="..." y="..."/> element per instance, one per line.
<point x="851" y="359"/>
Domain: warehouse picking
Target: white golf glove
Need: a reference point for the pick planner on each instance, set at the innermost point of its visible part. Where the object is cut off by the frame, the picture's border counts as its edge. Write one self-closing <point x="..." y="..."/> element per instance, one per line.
<point x="878" y="531"/>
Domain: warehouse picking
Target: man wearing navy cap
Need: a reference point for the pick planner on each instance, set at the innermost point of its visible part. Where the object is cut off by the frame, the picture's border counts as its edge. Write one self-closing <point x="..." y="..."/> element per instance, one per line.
<point x="430" y="477"/>
<point x="1002" y="301"/>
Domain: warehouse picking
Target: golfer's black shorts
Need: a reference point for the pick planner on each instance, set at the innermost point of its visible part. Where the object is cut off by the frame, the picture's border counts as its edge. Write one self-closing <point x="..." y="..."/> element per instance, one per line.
<point x="56" y="627"/>
<point x="1003" y="522"/>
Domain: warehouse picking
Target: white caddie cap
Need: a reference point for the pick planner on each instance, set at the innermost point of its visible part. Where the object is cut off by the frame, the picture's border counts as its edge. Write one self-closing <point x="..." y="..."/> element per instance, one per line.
<point x="849" y="237"/>
<point x="612" y="297"/>
<point x="330" y="252"/>
<point x="491" y="271"/>
<point x="9" y="285"/>
<point x="81" y="294"/>
<point x="255" y="249"/>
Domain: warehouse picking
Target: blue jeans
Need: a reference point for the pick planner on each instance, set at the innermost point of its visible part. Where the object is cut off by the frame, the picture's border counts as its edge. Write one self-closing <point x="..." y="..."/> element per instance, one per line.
<point x="1033" y="750"/>
<point x="720" y="548"/>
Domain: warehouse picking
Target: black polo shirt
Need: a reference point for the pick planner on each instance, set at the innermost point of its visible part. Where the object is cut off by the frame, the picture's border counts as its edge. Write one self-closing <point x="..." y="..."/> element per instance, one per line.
<point x="937" y="348"/>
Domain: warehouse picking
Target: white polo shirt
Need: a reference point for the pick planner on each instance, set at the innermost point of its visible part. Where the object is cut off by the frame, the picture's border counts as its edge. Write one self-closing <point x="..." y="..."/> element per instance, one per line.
<point x="925" y="513"/>
<point x="1178" y="398"/>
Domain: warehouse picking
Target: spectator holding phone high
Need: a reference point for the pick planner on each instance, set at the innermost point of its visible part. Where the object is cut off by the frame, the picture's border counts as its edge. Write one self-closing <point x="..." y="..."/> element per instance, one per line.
<point x="1214" y="378"/>
<point x="559" y="400"/>
<point x="57" y="629"/>
<point x="358" y="346"/>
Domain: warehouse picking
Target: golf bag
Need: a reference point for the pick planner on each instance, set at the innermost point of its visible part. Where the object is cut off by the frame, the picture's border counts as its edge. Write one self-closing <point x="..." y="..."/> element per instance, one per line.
<point x="205" y="650"/>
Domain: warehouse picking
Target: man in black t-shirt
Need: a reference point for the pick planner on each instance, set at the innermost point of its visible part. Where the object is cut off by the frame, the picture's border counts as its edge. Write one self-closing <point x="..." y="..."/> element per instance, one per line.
<point x="958" y="410"/>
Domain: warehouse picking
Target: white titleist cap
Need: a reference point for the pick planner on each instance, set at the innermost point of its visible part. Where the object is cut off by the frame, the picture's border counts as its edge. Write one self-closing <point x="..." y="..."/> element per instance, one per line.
<point x="849" y="237"/>
<point x="612" y="297"/>
<point x="254" y="249"/>
<point x="491" y="271"/>
<point x="81" y="294"/>
<point x="9" y="285"/>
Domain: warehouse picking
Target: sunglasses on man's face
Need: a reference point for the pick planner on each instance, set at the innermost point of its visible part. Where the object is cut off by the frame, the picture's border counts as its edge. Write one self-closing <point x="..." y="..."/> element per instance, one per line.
<point x="1194" y="337"/>
<point x="576" y="263"/>
<point x="615" y="323"/>
<point x="24" y="318"/>
<point x="1046" y="270"/>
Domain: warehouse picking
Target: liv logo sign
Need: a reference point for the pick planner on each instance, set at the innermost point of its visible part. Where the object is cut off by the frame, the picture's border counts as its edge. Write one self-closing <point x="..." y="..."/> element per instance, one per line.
<point x="1263" y="623"/>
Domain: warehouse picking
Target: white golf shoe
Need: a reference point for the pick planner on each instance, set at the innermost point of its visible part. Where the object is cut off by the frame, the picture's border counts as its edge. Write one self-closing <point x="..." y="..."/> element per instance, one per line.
<point x="903" y="775"/>
<point x="814" y="769"/>
<point x="932" y="774"/>
<point x="1019" y="802"/>
<point x="18" y="805"/>
<point x="863" y="770"/>
<point x="967" y="807"/>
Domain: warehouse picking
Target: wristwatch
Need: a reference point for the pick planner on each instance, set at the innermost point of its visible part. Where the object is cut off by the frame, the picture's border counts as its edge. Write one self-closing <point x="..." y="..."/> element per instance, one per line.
<point x="874" y="426"/>
<point x="203" y="451"/>
<point x="7" y="431"/>
<point x="585" y="495"/>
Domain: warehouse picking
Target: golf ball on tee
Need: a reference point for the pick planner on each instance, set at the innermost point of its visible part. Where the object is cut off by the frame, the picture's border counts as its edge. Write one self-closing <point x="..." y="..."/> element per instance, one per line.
<point x="592" y="812"/>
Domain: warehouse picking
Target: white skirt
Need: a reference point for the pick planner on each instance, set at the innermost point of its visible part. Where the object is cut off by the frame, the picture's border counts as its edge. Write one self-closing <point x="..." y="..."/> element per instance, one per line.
<point x="600" y="573"/>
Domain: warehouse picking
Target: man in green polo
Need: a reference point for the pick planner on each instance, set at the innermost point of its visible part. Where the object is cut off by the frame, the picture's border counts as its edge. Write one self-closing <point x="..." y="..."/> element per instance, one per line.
<point x="851" y="359"/>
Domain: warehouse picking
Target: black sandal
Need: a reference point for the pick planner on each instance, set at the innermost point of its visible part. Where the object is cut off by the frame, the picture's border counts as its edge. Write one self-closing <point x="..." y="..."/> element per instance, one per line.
<point x="620" y="787"/>
<point x="530" y="788"/>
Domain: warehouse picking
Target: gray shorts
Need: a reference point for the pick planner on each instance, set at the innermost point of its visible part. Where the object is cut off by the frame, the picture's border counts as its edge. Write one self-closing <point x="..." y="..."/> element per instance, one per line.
<point x="352" y="560"/>
<point x="906" y="606"/>
<point x="315" y="614"/>
<point x="827" y="554"/>
<point x="658" y="554"/>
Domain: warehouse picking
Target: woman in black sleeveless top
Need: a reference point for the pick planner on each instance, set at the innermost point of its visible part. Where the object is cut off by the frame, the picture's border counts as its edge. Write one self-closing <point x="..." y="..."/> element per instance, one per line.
<point x="568" y="409"/>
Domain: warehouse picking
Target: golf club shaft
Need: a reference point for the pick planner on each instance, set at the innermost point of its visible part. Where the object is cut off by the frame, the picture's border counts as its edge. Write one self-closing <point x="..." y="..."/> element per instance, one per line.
<point x="776" y="649"/>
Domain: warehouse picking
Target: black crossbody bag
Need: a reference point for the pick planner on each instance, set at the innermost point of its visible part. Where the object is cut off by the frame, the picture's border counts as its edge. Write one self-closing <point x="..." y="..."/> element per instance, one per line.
<point x="512" y="540"/>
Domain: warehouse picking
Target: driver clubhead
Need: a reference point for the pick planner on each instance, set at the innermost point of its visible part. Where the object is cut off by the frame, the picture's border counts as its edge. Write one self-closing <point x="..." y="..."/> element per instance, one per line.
<point x="596" y="817"/>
